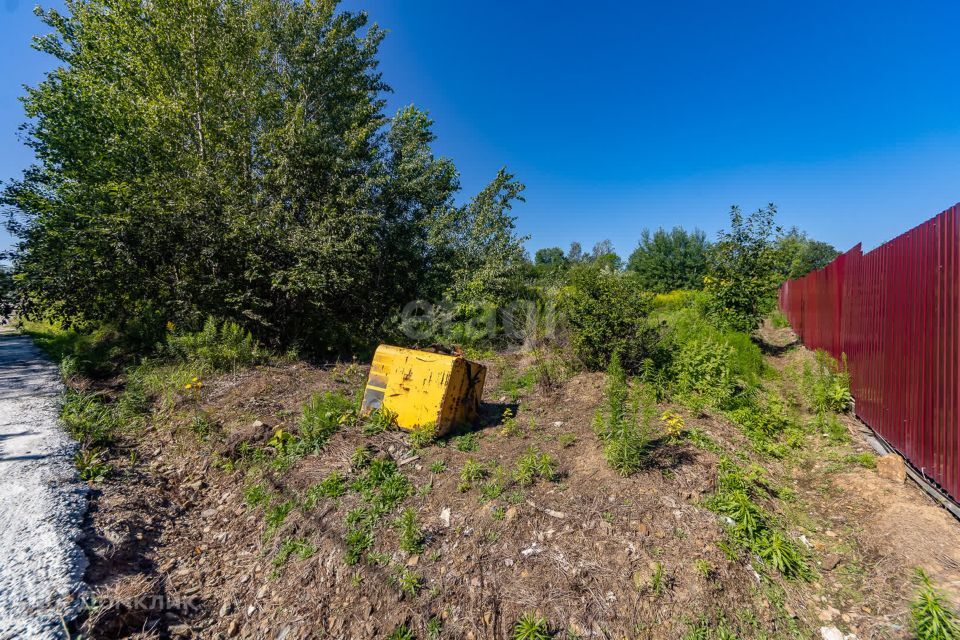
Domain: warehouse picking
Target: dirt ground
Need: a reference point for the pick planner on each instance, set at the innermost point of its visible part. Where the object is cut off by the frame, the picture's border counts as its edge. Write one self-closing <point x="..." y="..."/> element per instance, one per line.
<point x="176" y="552"/>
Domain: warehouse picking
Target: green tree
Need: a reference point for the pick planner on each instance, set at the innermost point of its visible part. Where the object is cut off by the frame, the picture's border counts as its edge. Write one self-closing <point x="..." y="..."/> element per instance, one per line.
<point x="232" y="158"/>
<point x="550" y="257"/>
<point x="605" y="256"/>
<point x="743" y="274"/>
<point x="669" y="260"/>
<point x="799" y="254"/>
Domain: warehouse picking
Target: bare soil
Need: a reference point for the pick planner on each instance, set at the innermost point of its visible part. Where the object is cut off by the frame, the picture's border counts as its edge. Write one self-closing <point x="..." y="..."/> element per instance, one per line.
<point x="171" y="528"/>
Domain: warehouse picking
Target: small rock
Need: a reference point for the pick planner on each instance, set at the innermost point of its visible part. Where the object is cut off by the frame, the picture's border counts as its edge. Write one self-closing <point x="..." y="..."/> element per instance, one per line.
<point x="208" y="513"/>
<point x="233" y="629"/>
<point x="891" y="467"/>
<point x="643" y="530"/>
<point x="511" y="514"/>
<point x="256" y="424"/>
<point x="413" y="560"/>
<point x="558" y="423"/>
<point x="830" y="561"/>
<point x="831" y="633"/>
<point x="226" y="608"/>
<point x="445" y="516"/>
<point x="179" y="629"/>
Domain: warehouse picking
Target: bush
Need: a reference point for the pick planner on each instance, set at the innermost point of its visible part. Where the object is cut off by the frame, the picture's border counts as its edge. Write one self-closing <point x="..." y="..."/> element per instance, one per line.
<point x="608" y="313"/>
<point x="218" y="346"/>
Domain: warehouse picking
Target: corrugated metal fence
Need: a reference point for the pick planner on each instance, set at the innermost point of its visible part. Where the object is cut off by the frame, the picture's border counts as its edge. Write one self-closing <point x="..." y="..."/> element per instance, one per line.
<point x="895" y="313"/>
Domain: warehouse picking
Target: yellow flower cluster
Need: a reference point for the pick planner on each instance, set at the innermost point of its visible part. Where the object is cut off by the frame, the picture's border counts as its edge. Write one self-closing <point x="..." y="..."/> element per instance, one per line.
<point x="196" y="383"/>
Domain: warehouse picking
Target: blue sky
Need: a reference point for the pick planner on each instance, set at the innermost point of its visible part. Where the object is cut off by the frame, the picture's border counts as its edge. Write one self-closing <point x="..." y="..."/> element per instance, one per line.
<point x="620" y="116"/>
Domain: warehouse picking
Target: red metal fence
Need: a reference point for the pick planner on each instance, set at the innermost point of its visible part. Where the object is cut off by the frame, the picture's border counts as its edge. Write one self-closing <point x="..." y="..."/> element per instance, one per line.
<point x="895" y="313"/>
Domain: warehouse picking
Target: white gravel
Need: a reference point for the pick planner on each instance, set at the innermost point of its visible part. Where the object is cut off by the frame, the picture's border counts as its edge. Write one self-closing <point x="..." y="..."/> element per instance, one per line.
<point x="41" y="501"/>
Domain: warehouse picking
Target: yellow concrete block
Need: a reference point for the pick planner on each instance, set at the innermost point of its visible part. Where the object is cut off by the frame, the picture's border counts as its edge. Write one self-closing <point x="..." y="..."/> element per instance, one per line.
<point x="421" y="387"/>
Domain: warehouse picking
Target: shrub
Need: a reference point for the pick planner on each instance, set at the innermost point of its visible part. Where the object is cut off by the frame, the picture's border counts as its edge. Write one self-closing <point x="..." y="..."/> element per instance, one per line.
<point x="423" y="435"/>
<point x="219" y="346"/>
<point x="322" y="416"/>
<point x="608" y="313"/>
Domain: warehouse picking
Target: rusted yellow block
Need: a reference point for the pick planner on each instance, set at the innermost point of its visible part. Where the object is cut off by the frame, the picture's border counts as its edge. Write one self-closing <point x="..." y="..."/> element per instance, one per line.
<point x="421" y="387"/>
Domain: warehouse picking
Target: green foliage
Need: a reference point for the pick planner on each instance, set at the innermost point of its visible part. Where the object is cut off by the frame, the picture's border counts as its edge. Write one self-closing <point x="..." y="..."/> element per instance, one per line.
<point x="218" y="346"/>
<point x="607" y="313"/>
<point x="826" y="385"/>
<point x="91" y="465"/>
<point x="742" y="270"/>
<point x="298" y="547"/>
<point x="234" y="160"/>
<point x="256" y="496"/>
<point x="865" y="460"/>
<point x="623" y="426"/>
<point x="88" y="418"/>
<point x="323" y="415"/>
<point x="379" y="421"/>
<point x="532" y="465"/>
<point x="276" y="514"/>
<point x="930" y="615"/>
<point x="467" y="442"/>
<point x="471" y="472"/>
<point x="751" y="526"/>
<point x="666" y="261"/>
<point x="798" y="255"/>
<point x="438" y="467"/>
<point x="333" y="486"/>
<point x="411" y="537"/>
<point x="531" y="627"/>
<point x="765" y="420"/>
<point x="409" y="582"/>
<point x="401" y="633"/>
<point x="423" y="435"/>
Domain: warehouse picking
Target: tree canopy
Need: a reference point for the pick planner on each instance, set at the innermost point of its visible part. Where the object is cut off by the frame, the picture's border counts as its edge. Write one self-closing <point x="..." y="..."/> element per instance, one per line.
<point x="669" y="260"/>
<point x="233" y="158"/>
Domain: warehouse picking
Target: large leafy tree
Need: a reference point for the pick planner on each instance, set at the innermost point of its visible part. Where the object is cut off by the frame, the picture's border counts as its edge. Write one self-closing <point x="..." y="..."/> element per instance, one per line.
<point x="669" y="260"/>
<point x="232" y="158"/>
<point x="743" y="272"/>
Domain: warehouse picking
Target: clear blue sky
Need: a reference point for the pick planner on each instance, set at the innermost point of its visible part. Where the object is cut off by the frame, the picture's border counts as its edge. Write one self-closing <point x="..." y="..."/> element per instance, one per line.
<point x="620" y="116"/>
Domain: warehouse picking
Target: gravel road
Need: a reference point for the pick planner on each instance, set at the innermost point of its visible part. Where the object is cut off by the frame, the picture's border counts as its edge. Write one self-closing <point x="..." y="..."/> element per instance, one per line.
<point x="41" y="501"/>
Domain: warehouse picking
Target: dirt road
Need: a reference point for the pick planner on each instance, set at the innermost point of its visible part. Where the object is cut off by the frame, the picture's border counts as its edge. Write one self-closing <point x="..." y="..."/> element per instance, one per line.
<point x="41" y="502"/>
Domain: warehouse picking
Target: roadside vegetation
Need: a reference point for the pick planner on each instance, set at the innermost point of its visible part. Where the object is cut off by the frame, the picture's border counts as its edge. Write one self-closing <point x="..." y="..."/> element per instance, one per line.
<point x="630" y="402"/>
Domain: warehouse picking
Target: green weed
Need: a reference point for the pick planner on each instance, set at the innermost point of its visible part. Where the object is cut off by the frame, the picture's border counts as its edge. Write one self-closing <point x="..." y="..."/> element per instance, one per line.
<point x="323" y="415"/>
<point x="531" y="627"/>
<point x="467" y="442"/>
<point x="411" y="537"/>
<point x="333" y="486"/>
<point x="532" y="465"/>
<point x="931" y="618"/>
<point x="423" y="435"/>
<point x="298" y="547"/>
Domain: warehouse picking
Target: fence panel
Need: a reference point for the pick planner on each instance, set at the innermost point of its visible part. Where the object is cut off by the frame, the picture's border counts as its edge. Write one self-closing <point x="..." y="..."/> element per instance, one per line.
<point x="894" y="314"/>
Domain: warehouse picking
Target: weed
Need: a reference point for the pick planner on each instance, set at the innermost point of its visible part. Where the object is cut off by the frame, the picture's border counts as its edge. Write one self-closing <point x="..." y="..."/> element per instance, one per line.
<point x="472" y="471"/>
<point x="657" y="579"/>
<point x="700" y="439"/>
<point x="88" y="419"/>
<point x="330" y="487"/>
<point x="359" y="538"/>
<point x="498" y="513"/>
<point x="703" y="568"/>
<point x="90" y="465"/>
<point x="865" y="460"/>
<point x="531" y="627"/>
<point x="322" y="416"/>
<point x="567" y="440"/>
<point x="513" y="384"/>
<point x="361" y="457"/>
<point x="511" y="426"/>
<point x="293" y="547"/>
<point x="466" y="442"/>
<point x="617" y="425"/>
<point x="276" y="514"/>
<point x="491" y="491"/>
<point x="402" y="633"/>
<point x="411" y="537"/>
<point x="379" y="421"/>
<point x="201" y="426"/>
<point x="532" y="465"/>
<point x="434" y="628"/>
<point x="256" y="496"/>
<point x="409" y="582"/>
<point x="674" y="423"/>
<point x="437" y="467"/>
<point x="356" y="579"/>
<point x="515" y="497"/>
<point x="423" y="435"/>
<point x="378" y="559"/>
<point x="930" y="616"/>
<point x="751" y="526"/>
